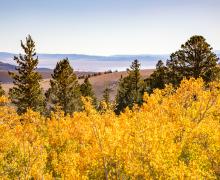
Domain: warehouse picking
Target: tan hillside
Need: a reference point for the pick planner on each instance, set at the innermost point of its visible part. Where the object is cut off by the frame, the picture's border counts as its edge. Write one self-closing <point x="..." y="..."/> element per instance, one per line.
<point x="99" y="82"/>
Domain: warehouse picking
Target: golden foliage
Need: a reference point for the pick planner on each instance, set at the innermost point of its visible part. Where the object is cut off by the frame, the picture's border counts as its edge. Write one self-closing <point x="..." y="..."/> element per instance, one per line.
<point x="175" y="134"/>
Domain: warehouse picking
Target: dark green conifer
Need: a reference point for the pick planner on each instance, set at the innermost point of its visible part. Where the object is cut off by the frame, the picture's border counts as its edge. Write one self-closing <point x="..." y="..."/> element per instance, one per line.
<point x="194" y="59"/>
<point x="27" y="92"/>
<point x="2" y="92"/>
<point x="105" y="101"/>
<point x="106" y="95"/>
<point x="130" y="90"/>
<point x="158" y="78"/>
<point x="87" y="90"/>
<point x="64" y="89"/>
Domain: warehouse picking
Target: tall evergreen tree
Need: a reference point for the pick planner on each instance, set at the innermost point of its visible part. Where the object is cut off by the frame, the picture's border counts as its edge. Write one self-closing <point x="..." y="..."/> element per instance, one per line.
<point x="87" y="90"/>
<point x="105" y="101"/>
<point x="194" y="59"/>
<point x="135" y="77"/>
<point x="27" y="92"/>
<point x="130" y="90"/>
<point x="64" y="88"/>
<point x="158" y="78"/>
<point x="2" y="92"/>
<point x="106" y="95"/>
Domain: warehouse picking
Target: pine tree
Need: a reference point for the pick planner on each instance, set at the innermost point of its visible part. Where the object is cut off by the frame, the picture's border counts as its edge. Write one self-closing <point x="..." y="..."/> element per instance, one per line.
<point x="158" y="78"/>
<point x="106" y="95"/>
<point x="135" y="79"/>
<point x="105" y="101"/>
<point x="87" y="90"/>
<point x="2" y="92"/>
<point x="130" y="90"/>
<point x="194" y="59"/>
<point x="27" y="92"/>
<point x="64" y="89"/>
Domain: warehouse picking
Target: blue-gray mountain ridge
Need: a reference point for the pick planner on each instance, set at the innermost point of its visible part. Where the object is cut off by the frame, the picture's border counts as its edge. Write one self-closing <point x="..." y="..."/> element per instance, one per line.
<point x="81" y="62"/>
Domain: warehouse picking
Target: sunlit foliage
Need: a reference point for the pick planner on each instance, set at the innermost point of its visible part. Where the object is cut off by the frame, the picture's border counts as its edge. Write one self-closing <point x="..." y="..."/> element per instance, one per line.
<point x="175" y="134"/>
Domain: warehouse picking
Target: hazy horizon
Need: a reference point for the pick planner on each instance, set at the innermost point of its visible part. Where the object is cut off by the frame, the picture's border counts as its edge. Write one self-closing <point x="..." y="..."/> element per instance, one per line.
<point x="91" y="63"/>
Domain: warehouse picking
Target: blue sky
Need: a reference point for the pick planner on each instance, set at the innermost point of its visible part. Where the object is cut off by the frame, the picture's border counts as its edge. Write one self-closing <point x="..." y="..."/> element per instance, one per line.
<point x="106" y="27"/>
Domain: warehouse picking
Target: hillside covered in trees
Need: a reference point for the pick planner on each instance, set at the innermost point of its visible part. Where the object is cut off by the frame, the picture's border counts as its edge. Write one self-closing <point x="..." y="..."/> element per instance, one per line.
<point x="165" y="126"/>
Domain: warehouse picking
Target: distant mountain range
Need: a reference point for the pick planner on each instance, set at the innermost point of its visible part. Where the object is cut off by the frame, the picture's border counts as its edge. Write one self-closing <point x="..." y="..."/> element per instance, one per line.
<point x="81" y="62"/>
<point x="7" y="67"/>
<point x="45" y="72"/>
<point x="10" y="67"/>
<point x="6" y="55"/>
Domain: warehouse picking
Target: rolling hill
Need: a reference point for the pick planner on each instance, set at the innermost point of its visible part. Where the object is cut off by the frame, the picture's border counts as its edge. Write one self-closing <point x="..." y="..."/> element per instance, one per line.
<point x="99" y="83"/>
<point x="5" y="67"/>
